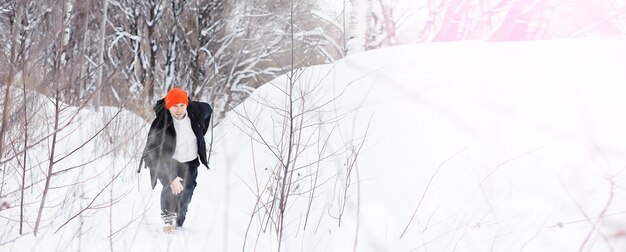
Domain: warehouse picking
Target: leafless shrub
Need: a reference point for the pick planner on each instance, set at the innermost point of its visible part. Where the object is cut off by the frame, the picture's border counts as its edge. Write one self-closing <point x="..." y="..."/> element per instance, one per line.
<point x="302" y="137"/>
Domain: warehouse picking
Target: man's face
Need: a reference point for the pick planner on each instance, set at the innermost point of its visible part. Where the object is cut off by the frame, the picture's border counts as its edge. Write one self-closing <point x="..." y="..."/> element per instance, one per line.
<point x="178" y="111"/>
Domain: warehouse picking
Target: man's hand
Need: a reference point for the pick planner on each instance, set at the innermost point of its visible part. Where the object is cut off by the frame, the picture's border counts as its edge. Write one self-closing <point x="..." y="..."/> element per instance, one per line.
<point x="177" y="186"/>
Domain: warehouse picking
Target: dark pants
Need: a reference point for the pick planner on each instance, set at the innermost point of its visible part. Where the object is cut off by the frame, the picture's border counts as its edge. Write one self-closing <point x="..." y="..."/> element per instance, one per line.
<point x="178" y="204"/>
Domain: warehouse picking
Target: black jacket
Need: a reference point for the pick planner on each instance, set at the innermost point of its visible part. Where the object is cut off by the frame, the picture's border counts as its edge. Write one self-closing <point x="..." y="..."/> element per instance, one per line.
<point x="161" y="141"/>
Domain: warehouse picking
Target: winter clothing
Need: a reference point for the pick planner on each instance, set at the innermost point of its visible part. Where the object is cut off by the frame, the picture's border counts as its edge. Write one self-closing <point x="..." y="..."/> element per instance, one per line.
<point x="175" y="148"/>
<point x="175" y="206"/>
<point x="186" y="148"/>
<point x="161" y="142"/>
<point x="176" y="96"/>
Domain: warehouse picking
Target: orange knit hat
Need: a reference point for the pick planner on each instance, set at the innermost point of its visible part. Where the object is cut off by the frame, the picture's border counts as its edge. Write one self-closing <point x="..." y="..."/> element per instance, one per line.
<point x="176" y="96"/>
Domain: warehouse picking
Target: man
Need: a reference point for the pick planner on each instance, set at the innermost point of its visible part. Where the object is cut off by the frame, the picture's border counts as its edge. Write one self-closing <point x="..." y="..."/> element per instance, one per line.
<point x="174" y="149"/>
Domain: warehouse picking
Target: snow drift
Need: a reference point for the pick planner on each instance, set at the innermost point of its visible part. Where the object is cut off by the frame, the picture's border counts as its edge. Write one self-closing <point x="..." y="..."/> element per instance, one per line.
<point x="463" y="146"/>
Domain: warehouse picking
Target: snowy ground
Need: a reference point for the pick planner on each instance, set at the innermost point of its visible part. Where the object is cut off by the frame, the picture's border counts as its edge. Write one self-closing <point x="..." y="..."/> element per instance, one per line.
<point x="468" y="146"/>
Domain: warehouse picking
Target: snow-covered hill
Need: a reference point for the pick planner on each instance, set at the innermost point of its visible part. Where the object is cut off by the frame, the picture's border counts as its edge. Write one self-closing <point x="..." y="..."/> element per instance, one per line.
<point x="461" y="146"/>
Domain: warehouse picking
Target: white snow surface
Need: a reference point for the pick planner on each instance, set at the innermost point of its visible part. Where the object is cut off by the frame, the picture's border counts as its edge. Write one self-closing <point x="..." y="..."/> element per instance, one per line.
<point x="466" y="146"/>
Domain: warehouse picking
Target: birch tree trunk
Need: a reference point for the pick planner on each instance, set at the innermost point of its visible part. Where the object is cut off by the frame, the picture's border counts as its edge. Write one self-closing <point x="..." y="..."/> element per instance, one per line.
<point x="358" y="29"/>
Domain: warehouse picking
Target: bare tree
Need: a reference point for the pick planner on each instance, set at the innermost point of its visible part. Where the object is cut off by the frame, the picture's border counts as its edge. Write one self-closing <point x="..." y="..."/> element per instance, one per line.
<point x="219" y="51"/>
<point x="302" y="153"/>
<point x="45" y="45"/>
<point x="304" y="126"/>
<point x="51" y="160"/>
<point x="54" y="74"/>
<point x="13" y="24"/>
<point x="220" y="55"/>
<point x="23" y="60"/>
